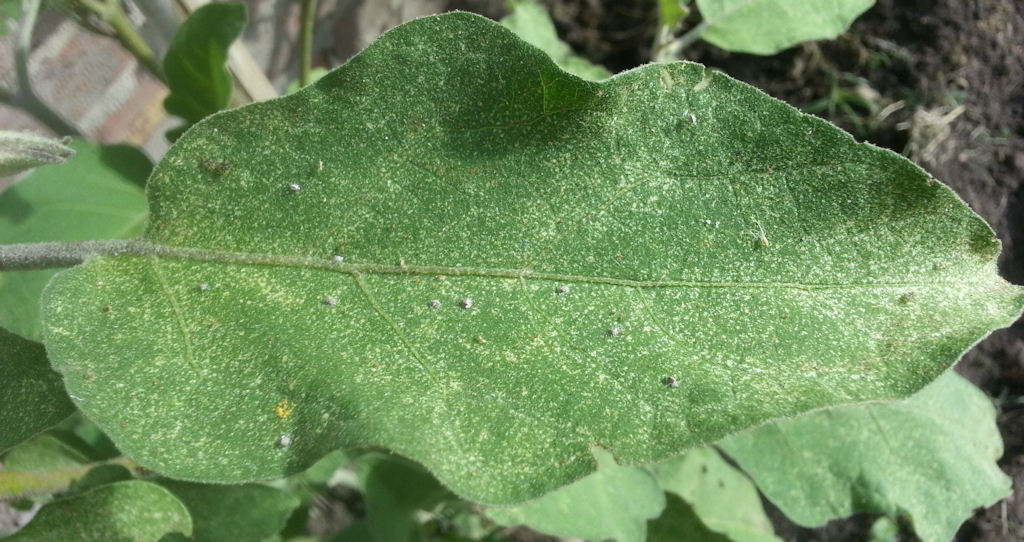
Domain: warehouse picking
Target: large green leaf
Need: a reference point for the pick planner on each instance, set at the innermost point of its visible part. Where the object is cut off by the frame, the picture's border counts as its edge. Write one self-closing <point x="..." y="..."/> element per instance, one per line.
<point x="130" y="511"/>
<point x="613" y="503"/>
<point x="932" y="456"/>
<point x="667" y="222"/>
<point x="96" y="194"/>
<point x="32" y="395"/>
<point x="720" y="495"/>
<point x="195" y="63"/>
<point x="244" y="512"/>
<point x="766" y="27"/>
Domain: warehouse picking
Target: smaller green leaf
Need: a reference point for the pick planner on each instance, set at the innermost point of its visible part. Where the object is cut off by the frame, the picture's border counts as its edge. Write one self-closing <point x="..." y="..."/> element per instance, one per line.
<point x="931" y="456"/>
<point x="219" y="512"/>
<point x="394" y="489"/>
<point x="198" y="79"/>
<point x="32" y="395"/>
<point x="672" y="12"/>
<point x="314" y="75"/>
<point x="99" y="476"/>
<point x="97" y="194"/>
<point x="720" y="495"/>
<point x="21" y="152"/>
<point x="614" y="502"/>
<point x="680" y="523"/>
<point x="43" y="453"/>
<point x="884" y="529"/>
<point x="531" y="22"/>
<point x="765" y="27"/>
<point x="132" y="511"/>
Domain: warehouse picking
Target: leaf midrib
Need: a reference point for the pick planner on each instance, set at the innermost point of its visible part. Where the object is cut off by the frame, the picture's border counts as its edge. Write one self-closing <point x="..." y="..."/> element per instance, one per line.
<point x="145" y="248"/>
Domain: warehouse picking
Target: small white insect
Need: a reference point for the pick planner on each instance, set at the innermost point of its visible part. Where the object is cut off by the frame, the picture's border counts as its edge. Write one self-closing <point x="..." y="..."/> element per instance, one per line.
<point x="294" y="187"/>
<point x="671" y="382"/>
<point x="284" y="441"/>
<point x="435" y="304"/>
<point x="338" y="259"/>
<point x="466" y="303"/>
<point x="562" y="290"/>
<point x="203" y="287"/>
<point x="693" y="118"/>
<point x="614" y="331"/>
<point x="330" y="301"/>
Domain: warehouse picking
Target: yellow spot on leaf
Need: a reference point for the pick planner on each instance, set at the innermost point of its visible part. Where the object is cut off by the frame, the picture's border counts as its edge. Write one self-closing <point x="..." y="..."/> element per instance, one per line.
<point x="283" y="409"/>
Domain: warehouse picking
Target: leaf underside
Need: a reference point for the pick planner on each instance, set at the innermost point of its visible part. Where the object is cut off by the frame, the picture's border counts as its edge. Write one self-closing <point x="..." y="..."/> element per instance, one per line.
<point x="931" y="457"/>
<point x="667" y="222"/>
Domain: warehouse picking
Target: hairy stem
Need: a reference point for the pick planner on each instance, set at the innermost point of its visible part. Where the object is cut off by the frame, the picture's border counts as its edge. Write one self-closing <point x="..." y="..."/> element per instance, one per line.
<point x="24" y="97"/>
<point x="307" y="19"/>
<point x="112" y="13"/>
<point x="690" y="36"/>
<point x="29" y="256"/>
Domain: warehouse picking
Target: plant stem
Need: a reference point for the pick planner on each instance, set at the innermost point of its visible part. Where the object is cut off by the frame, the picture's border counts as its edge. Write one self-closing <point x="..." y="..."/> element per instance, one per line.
<point x="30" y="256"/>
<point x="25" y="98"/>
<point x="307" y="17"/>
<point x="690" y="36"/>
<point x="112" y="13"/>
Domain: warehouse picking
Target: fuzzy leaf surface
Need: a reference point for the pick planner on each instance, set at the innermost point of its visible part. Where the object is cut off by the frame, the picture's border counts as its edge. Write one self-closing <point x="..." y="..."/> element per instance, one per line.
<point x="32" y="395"/>
<point x="528" y="256"/>
<point x="765" y="27"/>
<point x="97" y="194"/>
<point x="130" y="511"/>
<point x="932" y="457"/>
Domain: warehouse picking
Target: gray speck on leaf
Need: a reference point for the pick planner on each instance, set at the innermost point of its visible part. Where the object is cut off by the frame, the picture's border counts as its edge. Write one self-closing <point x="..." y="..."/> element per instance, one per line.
<point x="284" y="441"/>
<point x="435" y="304"/>
<point x="330" y="301"/>
<point x="203" y="287"/>
<point x="614" y="331"/>
<point x="562" y="290"/>
<point x="466" y="303"/>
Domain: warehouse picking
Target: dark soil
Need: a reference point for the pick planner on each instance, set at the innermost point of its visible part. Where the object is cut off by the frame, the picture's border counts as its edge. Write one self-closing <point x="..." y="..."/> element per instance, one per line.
<point x="941" y="81"/>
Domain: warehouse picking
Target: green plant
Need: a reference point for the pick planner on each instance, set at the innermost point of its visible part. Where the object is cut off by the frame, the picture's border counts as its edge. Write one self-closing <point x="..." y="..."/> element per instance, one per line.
<point x="565" y="299"/>
<point x="762" y="27"/>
